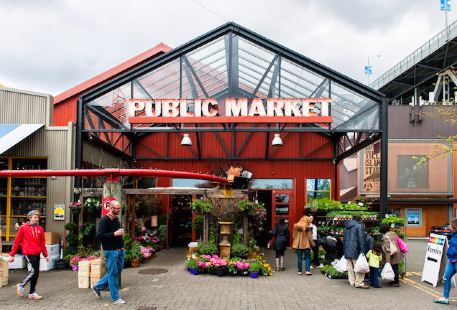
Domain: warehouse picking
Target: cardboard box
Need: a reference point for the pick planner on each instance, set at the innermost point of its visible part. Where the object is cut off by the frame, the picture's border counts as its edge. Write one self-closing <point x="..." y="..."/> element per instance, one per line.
<point x="3" y="273"/>
<point x="52" y="237"/>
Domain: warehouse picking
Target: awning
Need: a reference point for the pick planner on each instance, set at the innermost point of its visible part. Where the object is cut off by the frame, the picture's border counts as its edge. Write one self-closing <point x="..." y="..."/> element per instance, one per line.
<point x="12" y="134"/>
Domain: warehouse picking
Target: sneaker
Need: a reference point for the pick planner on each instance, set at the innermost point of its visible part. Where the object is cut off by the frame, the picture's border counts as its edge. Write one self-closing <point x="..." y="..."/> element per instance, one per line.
<point x="299" y="273"/>
<point x="96" y="292"/>
<point x="283" y="269"/>
<point x="19" y="290"/>
<point x="309" y="273"/>
<point x="120" y="301"/>
<point x="362" y="286"/>
<point x="441" y="300"/>
<point x="35" y="296"/>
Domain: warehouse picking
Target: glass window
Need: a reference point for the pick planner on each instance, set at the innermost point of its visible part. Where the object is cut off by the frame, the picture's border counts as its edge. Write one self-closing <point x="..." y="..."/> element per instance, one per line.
<point x="413" y="217"/>
<point x="412" y="171"/>
<point x="191" y="183"/>
<point x="317" y="188"/>
<point x="272" y="184"/>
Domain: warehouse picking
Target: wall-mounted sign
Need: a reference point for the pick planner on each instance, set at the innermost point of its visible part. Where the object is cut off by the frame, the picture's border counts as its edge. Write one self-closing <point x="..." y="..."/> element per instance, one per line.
<point x="293" y="110"/>
<point x="370" y="172"/>
<point x="59" y="212"/>
<point x="106" y="205"/>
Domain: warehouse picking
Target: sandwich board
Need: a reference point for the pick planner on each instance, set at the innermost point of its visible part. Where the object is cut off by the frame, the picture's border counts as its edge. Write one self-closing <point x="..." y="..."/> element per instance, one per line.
<point x="435" y="259"/>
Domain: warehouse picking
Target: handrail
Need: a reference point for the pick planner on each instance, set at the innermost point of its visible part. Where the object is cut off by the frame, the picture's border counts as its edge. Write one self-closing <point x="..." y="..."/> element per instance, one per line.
<point x="419" y="54"/>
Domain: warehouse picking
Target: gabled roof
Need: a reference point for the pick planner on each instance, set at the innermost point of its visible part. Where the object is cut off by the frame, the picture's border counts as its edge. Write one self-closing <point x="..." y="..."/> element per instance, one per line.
<point x="157" y="50"/>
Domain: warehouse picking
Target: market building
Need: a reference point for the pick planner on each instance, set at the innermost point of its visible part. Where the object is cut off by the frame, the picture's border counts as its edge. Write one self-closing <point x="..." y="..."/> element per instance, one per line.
<point x="229" y="99"/>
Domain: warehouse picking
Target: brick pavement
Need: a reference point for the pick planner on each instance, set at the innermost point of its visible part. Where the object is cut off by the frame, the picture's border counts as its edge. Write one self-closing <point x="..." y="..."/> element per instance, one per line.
<point x="178" y="289"/>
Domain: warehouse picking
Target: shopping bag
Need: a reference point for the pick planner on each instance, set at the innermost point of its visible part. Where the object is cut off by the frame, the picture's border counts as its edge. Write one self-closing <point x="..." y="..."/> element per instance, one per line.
<point x="361" y="265"/>
<point x="402" y="245"/>
<point x="393" y="247"/>
<point x="342" y="265"/>
<point x="387" y="272"/>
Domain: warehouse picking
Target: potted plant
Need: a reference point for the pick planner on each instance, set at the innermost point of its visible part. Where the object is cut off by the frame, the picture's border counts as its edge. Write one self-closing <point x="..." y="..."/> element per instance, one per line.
<point x="239" y="250"/>
<point x="192" y="266"/>
<point x="254" y="269"/>
<point x="207" y="248"/>
<point x="135" y="254"/>
<point x="220" y="265"/>
<point x="92" y="205"/>
<point x="75" y="207"/>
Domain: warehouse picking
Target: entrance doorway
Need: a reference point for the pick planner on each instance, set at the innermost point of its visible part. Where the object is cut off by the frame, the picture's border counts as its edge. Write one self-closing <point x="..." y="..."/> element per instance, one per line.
<point x="181" y="220"/>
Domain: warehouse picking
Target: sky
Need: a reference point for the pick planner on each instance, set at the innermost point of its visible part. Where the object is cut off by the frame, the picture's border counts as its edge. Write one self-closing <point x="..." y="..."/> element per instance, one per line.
<point x="52" y="45"/>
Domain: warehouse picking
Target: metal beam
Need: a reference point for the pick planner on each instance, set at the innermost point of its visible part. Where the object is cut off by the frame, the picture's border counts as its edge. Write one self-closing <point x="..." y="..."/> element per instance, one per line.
<point x="358" y="147"/>
<point x="384" y="204"/>
<point x="264" y="75"/>
<point x="191" y="68"/>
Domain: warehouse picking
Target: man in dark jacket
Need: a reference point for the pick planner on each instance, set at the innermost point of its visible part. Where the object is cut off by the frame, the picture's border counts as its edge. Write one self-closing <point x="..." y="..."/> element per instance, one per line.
<point x="354" y="245"/>
<point x="111" y="235"/>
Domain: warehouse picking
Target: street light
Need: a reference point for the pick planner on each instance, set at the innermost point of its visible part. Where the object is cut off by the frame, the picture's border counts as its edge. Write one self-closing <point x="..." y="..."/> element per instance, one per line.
<point x="369" y="68"/>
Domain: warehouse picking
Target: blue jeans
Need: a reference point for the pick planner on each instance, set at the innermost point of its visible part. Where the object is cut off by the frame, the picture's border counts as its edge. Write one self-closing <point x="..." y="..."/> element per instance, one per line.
<point x="114" y="265"/>
<point x="374" y="277"/>
<point x="307" y="253"/>
<point x="451" y="269"/>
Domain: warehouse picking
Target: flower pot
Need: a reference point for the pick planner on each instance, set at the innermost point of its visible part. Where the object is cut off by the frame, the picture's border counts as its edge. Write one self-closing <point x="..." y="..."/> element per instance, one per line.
<point x="254" y="275"/>
<point x="245" y="273"/>
<point x="220" y="273"/>
<point x="75" y="211"/>
<point x="135" y="263"/>
<point x="233" y="273"/>
<point x="194" y="271"/>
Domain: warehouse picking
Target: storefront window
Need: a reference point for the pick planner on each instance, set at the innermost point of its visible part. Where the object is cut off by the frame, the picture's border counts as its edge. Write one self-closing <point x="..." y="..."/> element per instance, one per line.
<point x="413" y="217"/>
<point x="191" y="183"/>
<point x="271" y="184"/>
<point x="317" y="188"/>
<point x="412" y="171"/>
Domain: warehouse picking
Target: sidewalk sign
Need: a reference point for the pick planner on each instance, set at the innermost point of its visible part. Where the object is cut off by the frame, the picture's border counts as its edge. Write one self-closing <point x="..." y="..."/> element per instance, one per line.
<point x="435" y="259"/>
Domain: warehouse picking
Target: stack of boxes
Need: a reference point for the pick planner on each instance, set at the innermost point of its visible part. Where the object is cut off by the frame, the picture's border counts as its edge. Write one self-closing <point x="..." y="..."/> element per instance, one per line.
<point x="89" y="272"/>
<point x="3" y="266"/>
<point x="83" y="274"/>
<point x="97" y="270"/>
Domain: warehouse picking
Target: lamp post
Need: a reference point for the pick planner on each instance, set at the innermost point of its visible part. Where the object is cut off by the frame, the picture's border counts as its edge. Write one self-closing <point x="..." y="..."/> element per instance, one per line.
<point x="368" y="67"/>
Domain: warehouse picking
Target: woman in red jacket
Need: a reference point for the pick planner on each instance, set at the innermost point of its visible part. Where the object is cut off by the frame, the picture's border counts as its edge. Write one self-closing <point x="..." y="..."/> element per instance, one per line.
<point x="31" y="238"/>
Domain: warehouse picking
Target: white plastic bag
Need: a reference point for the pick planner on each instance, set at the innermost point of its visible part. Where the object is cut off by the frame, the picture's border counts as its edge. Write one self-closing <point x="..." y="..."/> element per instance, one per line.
<point x="342" y="265"/>
<point x="387" y="272"/>
<point x="361" y="265"/>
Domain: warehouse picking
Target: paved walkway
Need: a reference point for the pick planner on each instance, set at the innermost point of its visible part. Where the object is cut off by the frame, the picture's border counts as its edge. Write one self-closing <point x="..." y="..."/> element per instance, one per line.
<point x="177" y="289"/>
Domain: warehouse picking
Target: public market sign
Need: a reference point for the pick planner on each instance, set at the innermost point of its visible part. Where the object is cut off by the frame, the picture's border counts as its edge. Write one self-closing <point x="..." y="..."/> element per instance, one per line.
<point x="231" y="110"/>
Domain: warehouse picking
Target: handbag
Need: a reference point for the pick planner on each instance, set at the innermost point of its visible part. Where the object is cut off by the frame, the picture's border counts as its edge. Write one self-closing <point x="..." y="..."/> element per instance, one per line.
<point x="361" y="265"/>
<point x="342" y="265"/>
<point x="387" y="272"/>
<point x="270" y="244"/>
<point x="402" y="245"/>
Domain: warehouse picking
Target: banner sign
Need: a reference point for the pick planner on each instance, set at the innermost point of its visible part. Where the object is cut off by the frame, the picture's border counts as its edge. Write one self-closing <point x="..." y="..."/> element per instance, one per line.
<point x="370" y="172"/>
<point x="106" y="205"/>
<point x="435" y="258"/>
<point x="290" y="110"/>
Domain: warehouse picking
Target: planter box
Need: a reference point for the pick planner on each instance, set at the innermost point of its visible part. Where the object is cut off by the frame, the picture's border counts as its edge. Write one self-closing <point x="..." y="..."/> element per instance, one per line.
<point x="19" y="262"/>
<point x="51" y="237"/>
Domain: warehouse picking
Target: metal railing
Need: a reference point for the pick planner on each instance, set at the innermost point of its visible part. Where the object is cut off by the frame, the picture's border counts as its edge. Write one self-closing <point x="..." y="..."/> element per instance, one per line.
<point x="422" y="52"/>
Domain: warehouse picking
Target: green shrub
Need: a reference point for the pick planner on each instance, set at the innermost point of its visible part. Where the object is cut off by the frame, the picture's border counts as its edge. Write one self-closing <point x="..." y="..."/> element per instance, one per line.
<point x="239" y="250"/>
<point x="192" y="264"/>
<point x="207" y="248"/>
<point x="197" y="225"/>
<point x="254" y="266"/>
<point x="201" y="206"/>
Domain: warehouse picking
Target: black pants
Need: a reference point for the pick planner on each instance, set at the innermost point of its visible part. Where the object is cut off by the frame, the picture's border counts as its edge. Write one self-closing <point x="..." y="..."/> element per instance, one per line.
<point x="34" y="273"/>
<point x="279" y="253"/>
<point x="316" y="253"/>
<point x="395" y="269"/>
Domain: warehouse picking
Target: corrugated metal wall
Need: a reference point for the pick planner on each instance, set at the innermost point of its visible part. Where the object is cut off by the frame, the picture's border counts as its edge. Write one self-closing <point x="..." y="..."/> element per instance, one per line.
<point x="100" y="158"/>
<point x="19" y="107"/>
<point x="54" y="143"/>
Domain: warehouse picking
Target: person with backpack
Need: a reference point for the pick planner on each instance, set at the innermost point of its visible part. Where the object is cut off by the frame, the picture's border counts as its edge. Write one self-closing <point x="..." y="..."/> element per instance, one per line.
<point x="392" y="252"/>
<point x="451" y="267"/>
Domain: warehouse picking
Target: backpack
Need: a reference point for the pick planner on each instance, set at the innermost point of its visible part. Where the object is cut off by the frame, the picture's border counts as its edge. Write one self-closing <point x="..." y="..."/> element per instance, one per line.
<point x="402" y="245"/>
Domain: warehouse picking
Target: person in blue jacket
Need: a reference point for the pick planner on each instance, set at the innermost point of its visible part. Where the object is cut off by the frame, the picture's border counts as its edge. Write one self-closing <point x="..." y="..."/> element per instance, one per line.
<point x="451" y="267"/>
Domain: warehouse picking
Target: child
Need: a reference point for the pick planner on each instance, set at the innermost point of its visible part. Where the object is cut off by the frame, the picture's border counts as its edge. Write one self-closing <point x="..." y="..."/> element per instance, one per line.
<point x="374" y="257"/>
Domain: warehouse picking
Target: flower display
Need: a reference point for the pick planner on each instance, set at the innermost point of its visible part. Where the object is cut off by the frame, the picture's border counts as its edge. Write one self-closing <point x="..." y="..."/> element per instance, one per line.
<point x="74" y="261"/>
<point x="146" y="251"/>
<point x="75" y="205"/>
